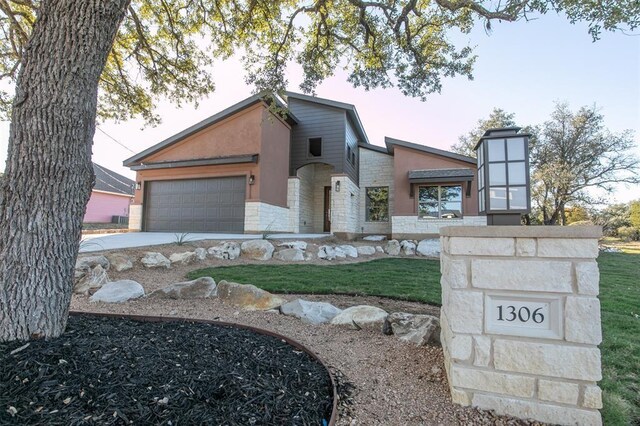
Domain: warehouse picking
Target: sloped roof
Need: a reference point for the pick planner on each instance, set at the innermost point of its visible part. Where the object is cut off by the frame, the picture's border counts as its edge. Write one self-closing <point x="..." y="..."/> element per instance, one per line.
<point x="441" y="173"/>
<point x="391" y="142"/>
<point x="110" y="181"/>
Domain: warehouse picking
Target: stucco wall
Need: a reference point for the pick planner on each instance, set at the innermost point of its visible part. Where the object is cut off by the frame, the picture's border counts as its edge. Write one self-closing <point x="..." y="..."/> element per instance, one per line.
<point x="102" y="206"/>
<point x="376" y="169"/>
<point x="274" y="160"/>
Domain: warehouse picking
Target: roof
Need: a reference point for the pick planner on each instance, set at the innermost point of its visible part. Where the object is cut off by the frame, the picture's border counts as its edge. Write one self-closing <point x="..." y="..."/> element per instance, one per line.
<point x="352" y="113"/>
<point x="110" y="181"/>
<point x="390" y="142"/>
<point x="233" y="109"/>
<point x="441" y="173"/>
<point x="501" y="133"/>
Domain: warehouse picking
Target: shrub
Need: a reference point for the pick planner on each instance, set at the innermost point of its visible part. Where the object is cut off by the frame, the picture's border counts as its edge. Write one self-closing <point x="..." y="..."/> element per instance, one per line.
<point x="629" y="233"/>
<point x="581" y="223"/>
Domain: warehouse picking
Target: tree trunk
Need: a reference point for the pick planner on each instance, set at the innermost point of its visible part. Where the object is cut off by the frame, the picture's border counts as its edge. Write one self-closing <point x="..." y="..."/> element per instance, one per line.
<point x="48" y="177"/>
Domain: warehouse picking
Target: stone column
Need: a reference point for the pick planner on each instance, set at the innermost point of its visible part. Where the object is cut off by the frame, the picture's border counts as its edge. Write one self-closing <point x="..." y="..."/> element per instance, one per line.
<point x="293" y="202"/>
<point x="521" y="320"/>
<point x="344" y="207"/>
<point x="135" y="217"/>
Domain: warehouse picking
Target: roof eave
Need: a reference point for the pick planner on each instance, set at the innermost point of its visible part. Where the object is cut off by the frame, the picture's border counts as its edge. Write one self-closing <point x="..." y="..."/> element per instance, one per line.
<point x="391" y="142"/>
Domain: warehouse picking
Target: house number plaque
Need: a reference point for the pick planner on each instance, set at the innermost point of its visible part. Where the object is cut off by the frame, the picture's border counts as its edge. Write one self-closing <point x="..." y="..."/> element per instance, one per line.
<point x="521" y="315"/>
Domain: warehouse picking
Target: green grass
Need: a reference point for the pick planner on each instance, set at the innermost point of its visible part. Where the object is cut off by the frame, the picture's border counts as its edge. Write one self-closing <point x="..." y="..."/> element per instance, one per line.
<point x="419" y="280"/>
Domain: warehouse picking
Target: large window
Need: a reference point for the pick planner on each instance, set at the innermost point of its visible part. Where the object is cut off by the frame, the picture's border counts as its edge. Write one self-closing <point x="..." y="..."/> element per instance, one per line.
<point x="378" y="204"/>
<point x="440" y="202"/>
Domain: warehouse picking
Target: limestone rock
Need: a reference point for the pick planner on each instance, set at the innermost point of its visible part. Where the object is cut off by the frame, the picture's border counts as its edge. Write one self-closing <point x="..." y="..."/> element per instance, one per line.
<point x="379" y="249"/>
<point x="393" y="248"/>
<point x="118" y="291"/>
<point x="330" y="253"/>
<point x="312" y="312"/>
<point x="226" y="251"/>
<point x="91" y="281"/>
<point x="247" y="296"/>
<point x="430" y="247"/>
<point x="201" y="254"/>
<point x="408" y="247"/>
<point x="300" y="245"/>
<point x="185" y="258"/>
<point x="350" y="251"/>
<point x="366" y="250"/>
<point x="290" y="255"/>
<point x="363" y="316"/>
<point x="257" y="249"/>
<point x="197" y="289"/>
<point x="413" y="328"/>
<point x="153" y="259"/>
<point x="120" y="261"/>
<point x="89" y="262"/>
<point x="374" y="238"/>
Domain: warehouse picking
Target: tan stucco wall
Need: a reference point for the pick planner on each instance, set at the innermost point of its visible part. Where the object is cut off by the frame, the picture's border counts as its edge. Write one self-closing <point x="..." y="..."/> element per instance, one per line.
<point x="406" y="159"/>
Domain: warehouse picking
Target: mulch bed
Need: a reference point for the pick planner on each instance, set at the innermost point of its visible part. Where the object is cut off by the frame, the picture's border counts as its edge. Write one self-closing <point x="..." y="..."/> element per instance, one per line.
<point x="120" y="371"/>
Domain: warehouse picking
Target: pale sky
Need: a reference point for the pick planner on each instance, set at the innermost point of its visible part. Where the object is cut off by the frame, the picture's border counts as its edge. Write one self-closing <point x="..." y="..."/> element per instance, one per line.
<point x="522" y="68"/>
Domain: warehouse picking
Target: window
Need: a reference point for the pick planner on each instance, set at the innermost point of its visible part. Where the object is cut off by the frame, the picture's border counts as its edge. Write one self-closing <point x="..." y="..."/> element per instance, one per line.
<point x="377" y="204"/>
<point x="349" y="154"/>
<point x="440" y="202"/>
<point x="315" y="147"/>
<point x="353" y="158"/>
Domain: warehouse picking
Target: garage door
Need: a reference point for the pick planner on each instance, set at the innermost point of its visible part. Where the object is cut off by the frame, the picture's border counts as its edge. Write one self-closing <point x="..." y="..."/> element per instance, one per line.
<point x="195" y="205"/>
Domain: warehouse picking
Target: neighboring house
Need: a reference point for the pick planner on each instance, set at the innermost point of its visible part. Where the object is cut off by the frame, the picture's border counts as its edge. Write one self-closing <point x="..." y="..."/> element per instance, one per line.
<point x="111" y="196"/>
<point x="313" y="170"/>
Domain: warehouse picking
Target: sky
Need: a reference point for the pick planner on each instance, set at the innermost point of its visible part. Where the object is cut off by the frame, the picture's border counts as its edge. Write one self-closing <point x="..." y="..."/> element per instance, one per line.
<point x="522" y="67"/>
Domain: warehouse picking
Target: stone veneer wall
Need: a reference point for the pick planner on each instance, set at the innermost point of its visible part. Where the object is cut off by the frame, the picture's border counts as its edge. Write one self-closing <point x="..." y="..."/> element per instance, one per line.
<point x="344" y="206"/>
<point x="293" y="202"/>
<point x="135" y="217"/>
<point x="376" y="169"/>
<point x="550" y="379"/>
<point x="406" y="226"/>
<point x="263" y="217"/>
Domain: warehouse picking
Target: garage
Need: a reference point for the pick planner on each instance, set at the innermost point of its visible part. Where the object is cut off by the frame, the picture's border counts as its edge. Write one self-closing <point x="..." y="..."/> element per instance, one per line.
<point x="195" y="205"/>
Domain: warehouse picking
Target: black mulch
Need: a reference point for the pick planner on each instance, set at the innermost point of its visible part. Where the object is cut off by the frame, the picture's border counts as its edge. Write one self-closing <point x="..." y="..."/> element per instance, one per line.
<point x="119" y="371"/>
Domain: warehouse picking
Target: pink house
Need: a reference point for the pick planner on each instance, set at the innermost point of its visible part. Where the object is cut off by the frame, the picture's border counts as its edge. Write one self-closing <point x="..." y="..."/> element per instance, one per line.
<point x="111" y="196"/>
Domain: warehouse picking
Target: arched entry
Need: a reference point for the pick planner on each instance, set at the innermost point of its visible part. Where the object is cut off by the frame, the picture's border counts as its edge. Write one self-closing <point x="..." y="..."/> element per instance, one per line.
<point x="315" y="197"/>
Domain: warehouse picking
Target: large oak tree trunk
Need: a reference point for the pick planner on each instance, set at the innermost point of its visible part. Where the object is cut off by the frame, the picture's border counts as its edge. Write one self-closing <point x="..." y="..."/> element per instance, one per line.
<point x="48" y="177"/>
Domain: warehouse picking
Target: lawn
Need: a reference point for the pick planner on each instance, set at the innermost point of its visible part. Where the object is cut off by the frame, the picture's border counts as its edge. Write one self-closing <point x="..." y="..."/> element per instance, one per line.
<point x="419" y="280"/>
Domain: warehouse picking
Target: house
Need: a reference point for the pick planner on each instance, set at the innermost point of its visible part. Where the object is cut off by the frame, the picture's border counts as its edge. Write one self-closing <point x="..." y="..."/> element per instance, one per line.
<point x="111" y="196"/>
<point x="251" y="169"/>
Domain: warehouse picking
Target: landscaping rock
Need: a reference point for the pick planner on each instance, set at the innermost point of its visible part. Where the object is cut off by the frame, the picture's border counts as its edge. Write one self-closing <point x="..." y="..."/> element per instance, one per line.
<point x="430" y="247"/>
<point x="247" y="296"/>
<point x="392" y="248"/>
<point x="379" y="249"/>
<point x="91" y="281"/>
<point x="350" y="251"/>
<point x="290" y="255"/>
<point x="185" y="258"/>
<point x="226" y="251"/>
<point x="153" y="259"/>
<point x="86" y="263"/>
<point x="362" y="316"/>
<point x="408" y="247"/>
<point x="120" y="261"/>
<point x="118" y="291"/>
<point x="300" y="245"/>
<point x="366" y="250"/>
<point x="312" y="312"/>
<point x="200" y="288"/>
<point x="330" y="253"/>
<point x="201" y="254"/>
<point x="374" y="238"/>
<point x="257" y="249"/>
<point x="413" y="328"/>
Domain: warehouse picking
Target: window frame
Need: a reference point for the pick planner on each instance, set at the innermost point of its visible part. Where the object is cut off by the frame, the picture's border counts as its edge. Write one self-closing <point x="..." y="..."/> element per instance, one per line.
<point x="367" y="217"/>
<point x="439" y="201"/>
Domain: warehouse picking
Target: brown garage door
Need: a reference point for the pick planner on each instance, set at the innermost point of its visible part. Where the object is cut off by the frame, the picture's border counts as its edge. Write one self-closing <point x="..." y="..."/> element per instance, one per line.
<point x="195" y="205"/>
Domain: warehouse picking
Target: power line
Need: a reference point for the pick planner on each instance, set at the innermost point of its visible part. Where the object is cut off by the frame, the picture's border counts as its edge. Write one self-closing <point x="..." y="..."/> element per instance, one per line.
<point x="115" y="140"/>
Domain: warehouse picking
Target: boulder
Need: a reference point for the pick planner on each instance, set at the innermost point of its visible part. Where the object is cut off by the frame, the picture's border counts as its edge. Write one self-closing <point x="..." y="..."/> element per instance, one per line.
<point x="366" y="250"/>
<point x="290" y="255"/>
<point x="120" y="261"/>
<point x="330" y="253"/>
<point x="197" y="289"/>
<point x="300" y="245"/>
<point x="85" y="263"/>
<point x="350" y="251"/>
<point x="118" y="291"/>
<point x="226" y="251"/>
<point x="362" y="316"/>
<point x="91" y="281"/>
<point x="185" y="258"/>
<point x="257" y="249"/>
<point x="392" y="248"/>
<point x="374" y="238"/>
<point x="379" y="249"/>
<point x="312" y="312"/>
<point x="201" y="254"/>
<point x="430" y="247"/>
<point x="408" y="247"/>
<point x="247" y="296"/>
<point x="413" y="328"/>
<point x="153" y="259"/>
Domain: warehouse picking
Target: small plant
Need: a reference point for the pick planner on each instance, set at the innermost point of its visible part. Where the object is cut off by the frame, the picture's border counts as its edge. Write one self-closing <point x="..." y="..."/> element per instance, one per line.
<point x="628" y="233"/>
<point x="266" y="234"/>
<point x="181" y="239"/>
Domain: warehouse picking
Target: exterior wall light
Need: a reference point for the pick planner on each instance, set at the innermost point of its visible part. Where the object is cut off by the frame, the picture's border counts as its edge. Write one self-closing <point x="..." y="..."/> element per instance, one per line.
<point x="337" y="186"/>
<point x="504" y="186"/>
<point x="252" y="179"/>
<point x="138" y="185"/>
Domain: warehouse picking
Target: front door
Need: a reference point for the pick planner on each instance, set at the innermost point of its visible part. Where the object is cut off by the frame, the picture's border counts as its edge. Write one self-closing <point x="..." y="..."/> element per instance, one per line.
<point x="327" y="209"/>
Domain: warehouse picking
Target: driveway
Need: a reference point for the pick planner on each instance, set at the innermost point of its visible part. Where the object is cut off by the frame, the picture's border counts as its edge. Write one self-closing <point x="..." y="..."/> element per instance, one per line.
<point x="99" y="242"/>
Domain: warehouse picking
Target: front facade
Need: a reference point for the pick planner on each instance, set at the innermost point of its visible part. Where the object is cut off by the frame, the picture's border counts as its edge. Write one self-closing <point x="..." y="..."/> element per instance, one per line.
<point x="300" y="164"/>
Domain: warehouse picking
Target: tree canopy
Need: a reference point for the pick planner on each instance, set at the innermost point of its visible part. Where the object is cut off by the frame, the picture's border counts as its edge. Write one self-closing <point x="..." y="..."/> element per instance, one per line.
<point x="165" y="48"/>
<point x="497" y="118"/>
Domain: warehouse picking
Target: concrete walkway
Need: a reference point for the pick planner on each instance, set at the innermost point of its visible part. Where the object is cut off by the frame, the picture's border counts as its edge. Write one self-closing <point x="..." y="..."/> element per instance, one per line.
<point x="99" y="242"/>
